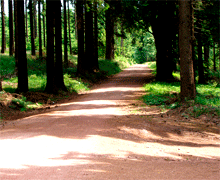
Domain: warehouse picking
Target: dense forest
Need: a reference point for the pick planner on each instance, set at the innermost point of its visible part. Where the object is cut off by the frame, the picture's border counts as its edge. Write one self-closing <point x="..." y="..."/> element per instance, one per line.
<point x="181" y="36"/>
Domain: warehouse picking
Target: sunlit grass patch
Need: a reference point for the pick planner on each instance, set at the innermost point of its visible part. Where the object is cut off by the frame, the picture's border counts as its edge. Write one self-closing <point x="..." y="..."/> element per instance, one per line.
<point x="166" y="95"/>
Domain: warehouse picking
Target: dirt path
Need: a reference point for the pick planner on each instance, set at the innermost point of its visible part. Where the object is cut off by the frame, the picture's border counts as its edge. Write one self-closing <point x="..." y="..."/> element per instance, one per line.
<point x="102" y="135"/>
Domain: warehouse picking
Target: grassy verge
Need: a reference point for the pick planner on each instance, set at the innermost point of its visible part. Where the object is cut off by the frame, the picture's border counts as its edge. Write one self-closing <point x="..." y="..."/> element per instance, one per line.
<point x="37" y="80"/>
<point x="166" y="95"/>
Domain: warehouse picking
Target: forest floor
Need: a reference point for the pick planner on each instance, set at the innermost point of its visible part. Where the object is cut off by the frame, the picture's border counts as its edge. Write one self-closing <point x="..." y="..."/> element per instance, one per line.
<point x="108" y="133"/>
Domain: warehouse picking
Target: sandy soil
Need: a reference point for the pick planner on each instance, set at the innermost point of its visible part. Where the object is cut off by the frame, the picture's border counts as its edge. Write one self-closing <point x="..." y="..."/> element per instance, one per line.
<point x="108" y="133"/>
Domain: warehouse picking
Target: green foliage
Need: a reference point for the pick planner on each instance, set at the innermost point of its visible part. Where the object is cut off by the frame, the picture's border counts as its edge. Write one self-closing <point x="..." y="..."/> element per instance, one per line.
<point x="7" y="65"/>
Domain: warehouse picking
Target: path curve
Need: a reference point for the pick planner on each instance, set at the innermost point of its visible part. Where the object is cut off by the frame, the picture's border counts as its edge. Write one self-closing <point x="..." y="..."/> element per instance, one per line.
<point x="95" y="136"/>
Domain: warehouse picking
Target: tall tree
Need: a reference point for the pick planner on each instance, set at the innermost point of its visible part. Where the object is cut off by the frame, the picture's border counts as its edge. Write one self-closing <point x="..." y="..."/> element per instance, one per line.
<point x="21" y="48"/>
<point x="185" y="48"/>
<point x="96" y="63"/>
<point x="11" y="28"/>
<point x="44" y="25"/>
<point x="3" y="27"/>
<point x="32" y="28"/>
<point x="50" y="66"/>
<point x="58" y="48"/>
<point x="16" y="36"/>
<point x="39" y="27"/>
<point x="26" y="19"/>
<point x="80" y="37"/>
<point x="65" y="35"/>
<point x="200" y="59"/>
<point x="70" y="45"/>
<point x="89" y="39"/>
<point x="109" y="31"/>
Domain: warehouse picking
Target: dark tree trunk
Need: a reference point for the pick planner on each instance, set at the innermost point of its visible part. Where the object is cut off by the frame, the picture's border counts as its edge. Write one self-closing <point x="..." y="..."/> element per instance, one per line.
<point x="39" y="26"/>
<point x="34" y="18"/>
<point x="22" y="58"/>
<point x="96" y="58"/>
<point x="58" y="48"/>
<point x="70" y="44"/>
<point x="32" y="28"/>
<point x="44" y="26"/>
<point x="200" y="60"/>
<point x="11" y="28"/>
<point x="1" y="86"/>
<point x="16" y="36"/>
<point x="163" y="41"/>
<point x="65" y="36"/>
<point x="76" y="34"/>
<point x="3" y="27"/>
<point x="185" y="45"/>
<point x="80" y="33"/>
<point x="26" y="19"/>
<point x="109" y="33"/>
<point x="206" y="55"/>
<point x="214" y="58"/>
<point x="89" y="40"/>
<point x="51" y="84"/>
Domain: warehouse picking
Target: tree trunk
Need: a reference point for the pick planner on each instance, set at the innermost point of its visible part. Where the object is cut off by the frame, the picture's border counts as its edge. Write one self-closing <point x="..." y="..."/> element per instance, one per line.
<point x="214" y="58"/>
<point x="96" y="58"/>
<point x="186" y="63"/>
<point x="11" y="28"/>
<point x="26" y="19"/>
<point x="206" y="55"/>
<point x="66" y="65"/>
<point x="200" y="60"/>
<point x="39" y="26"/>
<point x="22" y="58"/>
<point x="32" y="28"/>
<point x="51" y="85"/>
<point x="1" y="85"/>
<point x="80" y="32"/>
<point x="58" y="48"/>
<point x="3" y="27"/>
<point x="70" y="44"/>
<point x="76" y="34"/>
<point x="109" y="34"/>
<point x="16" y="37"/>
<point x="44" y="26"/>
<point x="34" y="18"/>
<point x="89" y="40"/>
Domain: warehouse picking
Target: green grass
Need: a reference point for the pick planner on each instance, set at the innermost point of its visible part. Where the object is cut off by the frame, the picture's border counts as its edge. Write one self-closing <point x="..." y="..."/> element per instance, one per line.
<point x="37" y="76"/>
<point x="166" y="95"/>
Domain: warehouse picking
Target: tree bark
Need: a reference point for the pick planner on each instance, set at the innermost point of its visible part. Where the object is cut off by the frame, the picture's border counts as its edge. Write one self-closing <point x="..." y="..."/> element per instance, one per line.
<point x="76" y="34"/>
<point x="185" y="45"/>
<point x="22" y="58"/>
<point x="3" y="27"/>
<point x="26" y="19"/>
<point x="51" y="85"/>
<point x="32" y="28"/>
<point x="206" y="55"/>
<point x="200" y="60"/>
<point x="58" y="48"/>
<point x="109" y="33"/>
<point x="214" y="58"/>
<point x="70" y="44"/>
<point x="11" y="28"/>
<point x="96" y="58"/>
<point x="16" y="36"/>
<point x="44" y="26"/>
<point x="89" y="40"/>
<point x="39" y="26"/>
<point x="66" y="64"/>
<point x="80" y="39"/>
<point x="34" y="2"/>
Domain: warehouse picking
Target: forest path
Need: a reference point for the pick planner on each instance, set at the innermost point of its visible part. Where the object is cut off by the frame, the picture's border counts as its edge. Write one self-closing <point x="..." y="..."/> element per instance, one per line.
<point x="102" y="135"/>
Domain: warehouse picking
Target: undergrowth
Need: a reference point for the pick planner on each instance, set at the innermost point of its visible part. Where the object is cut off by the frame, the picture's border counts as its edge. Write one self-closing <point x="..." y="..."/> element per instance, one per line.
<point x="37" y="77"/>
<point x="166" y="95"/>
